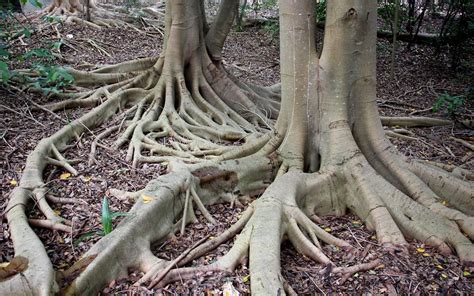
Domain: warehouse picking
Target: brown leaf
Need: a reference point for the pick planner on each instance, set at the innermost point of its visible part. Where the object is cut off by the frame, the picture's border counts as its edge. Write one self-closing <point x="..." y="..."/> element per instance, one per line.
<point x="17" y="265"/>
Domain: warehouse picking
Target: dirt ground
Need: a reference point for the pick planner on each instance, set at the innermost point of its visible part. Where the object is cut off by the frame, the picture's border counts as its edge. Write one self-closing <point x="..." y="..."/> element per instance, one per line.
<point x="252" y="56"/>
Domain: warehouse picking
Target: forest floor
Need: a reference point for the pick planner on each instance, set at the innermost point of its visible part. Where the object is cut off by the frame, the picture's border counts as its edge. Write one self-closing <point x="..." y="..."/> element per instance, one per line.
<point x="251" y="55"/>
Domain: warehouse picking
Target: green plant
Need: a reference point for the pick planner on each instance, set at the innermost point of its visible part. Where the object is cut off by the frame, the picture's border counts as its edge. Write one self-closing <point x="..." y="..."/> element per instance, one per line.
<point x="129" y="4"/>
<point x="452" y="103"/>
<point x="320" y="11"/>
<point x="107" y="217"/>
<point x="52" y="79"/>
<point x="272" y="29"/>
<point x="270" y="4"/>
<point x="386" y="13"/>
<point x="41" y="72"/>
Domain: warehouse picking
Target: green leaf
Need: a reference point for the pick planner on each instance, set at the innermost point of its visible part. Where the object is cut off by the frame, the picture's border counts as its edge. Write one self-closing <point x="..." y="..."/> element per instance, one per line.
<point x="57" y="44"/>
<point x="4" y="72"/>
<point x="40" y="53"/>
<point x="36" y="3"/>
<point x="27" y="33"/>
<point x="106" y="217"/>
<point x="4" y="53"/>
<point x="52" y="19"/>
<point x="53" y="77"/>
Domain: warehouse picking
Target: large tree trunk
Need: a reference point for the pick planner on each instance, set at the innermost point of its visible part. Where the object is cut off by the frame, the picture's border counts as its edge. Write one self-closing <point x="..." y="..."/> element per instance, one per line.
<point x="326" y="154"/>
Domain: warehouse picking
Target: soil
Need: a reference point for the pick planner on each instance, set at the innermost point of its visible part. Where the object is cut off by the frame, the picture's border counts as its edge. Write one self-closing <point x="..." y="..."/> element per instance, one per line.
<point x="421" y="77"/>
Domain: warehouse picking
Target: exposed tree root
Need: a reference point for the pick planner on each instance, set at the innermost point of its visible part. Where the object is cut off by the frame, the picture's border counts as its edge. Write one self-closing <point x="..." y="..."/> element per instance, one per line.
<point x="97" y="15"/>
<point x="49" y="224"/>
<point x="459" y="172"/>
<point x="184" y="110"/>
<point x="172" y="264"/>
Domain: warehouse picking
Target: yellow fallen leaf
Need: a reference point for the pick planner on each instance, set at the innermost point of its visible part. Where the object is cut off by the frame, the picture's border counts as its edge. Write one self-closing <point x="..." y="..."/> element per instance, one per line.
<point x="426" y="255"/>
<point x="57" y="212"/>
<point x="444" y="276"/>
<point x="246" y="278"/>
<point x="13" y="182"/>
<point x="444" y="203"/>
<point x="420" y="250"/>
<point x="466" y="273"/>
<point x="356" y="222"/>
<point x="229" y="290"/>
<point x="328" y="229"/>
<point x="4" y="264"/>
<point x="64" y="176"/>
<point x="439" y="267"/>
<point x="146" y="198"/>
<point x="87" y="178"/>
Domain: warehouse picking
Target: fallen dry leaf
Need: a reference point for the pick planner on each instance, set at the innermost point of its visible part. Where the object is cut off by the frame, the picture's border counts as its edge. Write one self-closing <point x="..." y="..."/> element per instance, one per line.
<point x="64" y="176"/>
<point x="146" y="198"/>
<point x="17" y="265"/>
<point x="229" y="290"/>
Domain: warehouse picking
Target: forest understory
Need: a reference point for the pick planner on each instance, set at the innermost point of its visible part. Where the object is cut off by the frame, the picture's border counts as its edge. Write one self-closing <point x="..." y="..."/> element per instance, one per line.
<point x="251" y="56"/>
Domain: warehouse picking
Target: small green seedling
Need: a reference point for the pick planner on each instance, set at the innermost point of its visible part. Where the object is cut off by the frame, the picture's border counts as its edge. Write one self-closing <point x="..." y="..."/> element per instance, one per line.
<point x="107" y="218"/>
<point x="452" y="103"/>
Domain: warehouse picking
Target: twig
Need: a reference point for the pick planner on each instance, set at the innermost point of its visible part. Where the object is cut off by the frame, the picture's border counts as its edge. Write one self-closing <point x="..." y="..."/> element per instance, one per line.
<point x="393" y="134"/>
<point x="352" y="233"/>
<point x="175" y="262"/>
<point x="357" y="268"/>
<point x="311" y="279"/>
<point x="22" y="114"/>
<point x="449" y="150"/>
<point x="420" y="111"/>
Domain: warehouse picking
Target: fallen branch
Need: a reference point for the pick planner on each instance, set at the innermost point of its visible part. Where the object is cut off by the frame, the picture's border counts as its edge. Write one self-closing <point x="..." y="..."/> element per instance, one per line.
<point x="393" y="134"/>
<point x="414" y="121"/>
<point x="463" y="142"/>
<point x="420" y="38"/>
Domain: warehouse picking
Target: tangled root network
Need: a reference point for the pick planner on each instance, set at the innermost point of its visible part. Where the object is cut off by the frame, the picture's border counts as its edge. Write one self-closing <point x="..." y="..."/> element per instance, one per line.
<point x="223" y="140"/>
